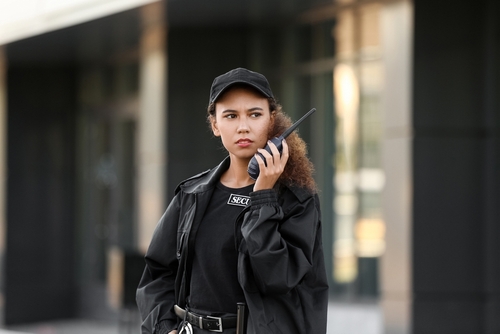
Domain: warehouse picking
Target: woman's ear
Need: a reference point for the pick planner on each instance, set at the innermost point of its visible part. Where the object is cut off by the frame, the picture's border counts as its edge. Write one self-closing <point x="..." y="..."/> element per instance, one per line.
<point x="215" y="130"/>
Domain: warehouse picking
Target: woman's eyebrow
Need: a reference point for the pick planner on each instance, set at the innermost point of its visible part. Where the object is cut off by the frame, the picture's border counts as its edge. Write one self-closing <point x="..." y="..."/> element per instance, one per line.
<point x="255" y="108"/>
<point x="249" y="110"/>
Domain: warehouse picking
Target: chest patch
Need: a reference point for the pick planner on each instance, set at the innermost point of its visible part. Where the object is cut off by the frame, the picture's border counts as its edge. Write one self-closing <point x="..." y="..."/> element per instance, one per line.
<point x="238" y="200"/>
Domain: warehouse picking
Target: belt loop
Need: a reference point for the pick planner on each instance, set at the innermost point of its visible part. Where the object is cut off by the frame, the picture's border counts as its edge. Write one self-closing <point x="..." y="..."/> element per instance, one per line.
<point x="200" y="322"/>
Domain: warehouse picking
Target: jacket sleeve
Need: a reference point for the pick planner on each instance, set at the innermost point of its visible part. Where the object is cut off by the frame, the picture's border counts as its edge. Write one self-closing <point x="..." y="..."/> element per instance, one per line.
<point x="156" y="292"/>
<point x="279" y="246"/>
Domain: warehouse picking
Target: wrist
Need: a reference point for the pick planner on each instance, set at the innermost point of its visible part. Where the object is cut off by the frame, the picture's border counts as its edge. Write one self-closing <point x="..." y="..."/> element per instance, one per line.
<point x="165" y="327"/>
<point x="260" y="185"/>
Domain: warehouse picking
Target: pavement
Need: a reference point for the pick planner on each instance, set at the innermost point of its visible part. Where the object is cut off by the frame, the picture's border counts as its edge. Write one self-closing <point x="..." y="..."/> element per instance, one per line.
<point x="343" y="318"/>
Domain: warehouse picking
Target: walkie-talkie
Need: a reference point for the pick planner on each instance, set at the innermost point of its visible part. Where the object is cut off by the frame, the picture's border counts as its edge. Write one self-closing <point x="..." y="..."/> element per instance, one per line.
<point x="253" y="166"/>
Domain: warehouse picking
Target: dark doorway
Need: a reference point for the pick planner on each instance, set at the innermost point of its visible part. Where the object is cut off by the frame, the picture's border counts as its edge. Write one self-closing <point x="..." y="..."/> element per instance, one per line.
<point x="39" y="273"/>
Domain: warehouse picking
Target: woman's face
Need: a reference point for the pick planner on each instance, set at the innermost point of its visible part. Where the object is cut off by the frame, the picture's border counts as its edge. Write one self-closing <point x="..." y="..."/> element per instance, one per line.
<point x="242" y="120"/>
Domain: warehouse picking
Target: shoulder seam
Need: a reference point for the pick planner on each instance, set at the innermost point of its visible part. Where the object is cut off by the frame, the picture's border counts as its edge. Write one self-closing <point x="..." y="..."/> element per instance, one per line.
<point x="177" y="189"/>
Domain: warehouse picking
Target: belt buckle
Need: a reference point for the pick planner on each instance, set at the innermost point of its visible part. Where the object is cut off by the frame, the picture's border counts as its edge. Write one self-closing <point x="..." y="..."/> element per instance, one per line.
<point x="219" y="320"/>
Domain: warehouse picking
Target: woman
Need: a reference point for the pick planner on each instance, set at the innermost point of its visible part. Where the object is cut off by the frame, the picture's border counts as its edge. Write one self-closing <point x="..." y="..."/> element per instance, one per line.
<point x="226" y="238"/>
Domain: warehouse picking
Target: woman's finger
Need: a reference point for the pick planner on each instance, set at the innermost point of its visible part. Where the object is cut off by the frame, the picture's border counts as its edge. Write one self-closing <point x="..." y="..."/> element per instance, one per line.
<point x="274" y="150"/>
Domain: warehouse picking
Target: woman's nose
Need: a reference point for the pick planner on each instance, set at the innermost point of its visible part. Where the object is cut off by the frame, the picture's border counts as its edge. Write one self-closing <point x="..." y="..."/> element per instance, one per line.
<point x="243" y="125"/>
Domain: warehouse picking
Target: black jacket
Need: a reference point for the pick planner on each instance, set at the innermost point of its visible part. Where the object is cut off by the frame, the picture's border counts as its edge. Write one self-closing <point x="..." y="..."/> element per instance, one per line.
<point x="280" y="263"/>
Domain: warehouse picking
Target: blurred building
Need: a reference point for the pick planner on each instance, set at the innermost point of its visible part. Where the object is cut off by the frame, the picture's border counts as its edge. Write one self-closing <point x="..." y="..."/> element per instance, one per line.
<point x="102" y="113"/>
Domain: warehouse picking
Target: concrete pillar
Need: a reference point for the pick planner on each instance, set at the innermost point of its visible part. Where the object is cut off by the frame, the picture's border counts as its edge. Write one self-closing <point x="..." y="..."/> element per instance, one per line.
<point x="396" y="263"/>
<point x="151" y="139"/>
<point x="456" y="276"/>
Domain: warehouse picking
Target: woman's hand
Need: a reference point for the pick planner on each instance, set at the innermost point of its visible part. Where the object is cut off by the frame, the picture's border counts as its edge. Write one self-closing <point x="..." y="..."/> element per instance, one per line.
<point x="173" y="332"/>
<point x="275" y="166"/>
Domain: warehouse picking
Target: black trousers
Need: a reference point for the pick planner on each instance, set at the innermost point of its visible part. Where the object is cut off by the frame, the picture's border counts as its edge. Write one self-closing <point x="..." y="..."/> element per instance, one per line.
<point x="197" y="330"/>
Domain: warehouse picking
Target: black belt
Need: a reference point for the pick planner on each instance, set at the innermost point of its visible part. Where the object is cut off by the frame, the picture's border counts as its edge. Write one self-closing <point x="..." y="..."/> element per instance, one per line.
<point x="213" y="324"/>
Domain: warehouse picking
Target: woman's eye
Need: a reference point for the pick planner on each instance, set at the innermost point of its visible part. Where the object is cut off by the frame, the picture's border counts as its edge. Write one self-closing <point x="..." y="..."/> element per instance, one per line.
<point x="230" y="116"/>
<point x="256" y="114"/>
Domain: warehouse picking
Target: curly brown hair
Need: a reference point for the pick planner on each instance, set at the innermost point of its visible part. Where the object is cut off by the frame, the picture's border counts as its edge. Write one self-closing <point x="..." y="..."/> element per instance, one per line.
<point x="299" y="169"/>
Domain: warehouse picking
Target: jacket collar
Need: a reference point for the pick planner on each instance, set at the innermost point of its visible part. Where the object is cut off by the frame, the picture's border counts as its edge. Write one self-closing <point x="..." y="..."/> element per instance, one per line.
<point x="209" y="178"/>
<point x="205" y="180"/>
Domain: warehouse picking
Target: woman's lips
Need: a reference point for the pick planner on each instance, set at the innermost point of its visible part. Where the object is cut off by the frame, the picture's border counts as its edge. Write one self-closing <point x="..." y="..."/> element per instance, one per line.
<point x="244" y="142"/>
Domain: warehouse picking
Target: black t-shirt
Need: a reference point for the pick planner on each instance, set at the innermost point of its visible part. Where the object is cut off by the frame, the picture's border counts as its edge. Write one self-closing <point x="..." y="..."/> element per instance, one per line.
<point x="214" y="281"/>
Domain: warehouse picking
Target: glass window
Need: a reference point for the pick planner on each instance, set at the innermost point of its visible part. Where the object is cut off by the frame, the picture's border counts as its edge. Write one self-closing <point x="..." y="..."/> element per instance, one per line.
<point x="359" y="228"/>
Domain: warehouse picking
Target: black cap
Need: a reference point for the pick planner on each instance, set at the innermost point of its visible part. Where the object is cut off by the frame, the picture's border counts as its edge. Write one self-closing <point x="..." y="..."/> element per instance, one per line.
<point x="240" y="76"/>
